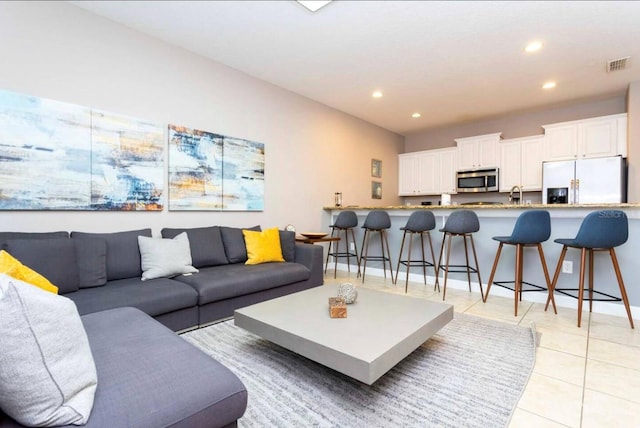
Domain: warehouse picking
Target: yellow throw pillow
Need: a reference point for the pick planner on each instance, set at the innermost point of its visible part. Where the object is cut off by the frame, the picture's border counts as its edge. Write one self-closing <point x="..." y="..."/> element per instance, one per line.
<point x="263" y="247"/>
<point x="12" y="267"/>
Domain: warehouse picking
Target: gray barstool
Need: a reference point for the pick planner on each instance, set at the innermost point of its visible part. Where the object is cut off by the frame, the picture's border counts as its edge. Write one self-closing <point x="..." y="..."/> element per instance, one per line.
<point x="600" y="231"/>
<point x="376" y="221"/>
<point x="532" y="228"/>
<point x="460" y="223"/>
<point x="419" y="223"/>
<point x="345" y="222"/>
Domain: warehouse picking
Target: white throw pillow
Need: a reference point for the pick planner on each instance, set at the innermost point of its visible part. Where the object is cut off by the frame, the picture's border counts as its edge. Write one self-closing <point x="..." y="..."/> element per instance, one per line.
<point x="164" y="258"/>
<point x="47" y="373"/>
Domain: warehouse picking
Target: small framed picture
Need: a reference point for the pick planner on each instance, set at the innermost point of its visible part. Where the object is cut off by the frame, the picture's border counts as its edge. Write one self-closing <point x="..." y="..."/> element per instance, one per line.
<point x="376" y="168"/>
<point x="376" y="190"/>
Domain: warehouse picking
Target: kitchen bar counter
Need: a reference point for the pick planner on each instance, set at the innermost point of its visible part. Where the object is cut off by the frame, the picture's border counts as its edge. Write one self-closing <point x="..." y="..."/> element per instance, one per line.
<point x="498" y="220"/>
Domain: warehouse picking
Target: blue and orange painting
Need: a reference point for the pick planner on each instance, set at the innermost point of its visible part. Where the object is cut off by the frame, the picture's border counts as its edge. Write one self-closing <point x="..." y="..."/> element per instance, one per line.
<point x="195" y="170"/>
<point x="60" y="156"/>
<point x="212" y="172"/>
<point x="243" y="175"/>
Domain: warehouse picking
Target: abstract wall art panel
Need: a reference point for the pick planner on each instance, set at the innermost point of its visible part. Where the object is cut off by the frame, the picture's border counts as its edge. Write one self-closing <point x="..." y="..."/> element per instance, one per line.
<point x="45" y="154"/>
<point x="59" y="156"/>
<point x="195" y="170"/>
<point x="127" y="163"/>
<point x="212" y="172"/>
<point x="243" y="175"/>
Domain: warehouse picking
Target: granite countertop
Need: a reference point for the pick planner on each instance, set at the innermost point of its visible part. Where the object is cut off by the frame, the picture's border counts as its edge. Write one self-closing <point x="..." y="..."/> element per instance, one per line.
<point x="485" y="207"/>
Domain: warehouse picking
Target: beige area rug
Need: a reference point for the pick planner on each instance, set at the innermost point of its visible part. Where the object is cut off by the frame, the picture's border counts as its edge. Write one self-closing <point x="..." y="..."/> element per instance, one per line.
<point x="471" y="374"/>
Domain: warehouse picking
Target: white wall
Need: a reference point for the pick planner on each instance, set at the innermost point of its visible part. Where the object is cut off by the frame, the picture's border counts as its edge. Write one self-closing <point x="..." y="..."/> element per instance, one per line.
<point x="58" y="51"/>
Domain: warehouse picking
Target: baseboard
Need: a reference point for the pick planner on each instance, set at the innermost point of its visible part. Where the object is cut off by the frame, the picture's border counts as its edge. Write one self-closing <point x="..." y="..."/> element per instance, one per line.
<point x="607" y="308"/>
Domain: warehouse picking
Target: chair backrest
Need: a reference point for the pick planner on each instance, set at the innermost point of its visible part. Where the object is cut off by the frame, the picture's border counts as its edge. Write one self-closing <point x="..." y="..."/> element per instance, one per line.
<point x="532" y="227"/>
<point x="603" y="229"/>
<point x="377" y="220"/>
<point x="420" y="221"/>
<point x="462" y="221"/>
<point x="346" y="220"/>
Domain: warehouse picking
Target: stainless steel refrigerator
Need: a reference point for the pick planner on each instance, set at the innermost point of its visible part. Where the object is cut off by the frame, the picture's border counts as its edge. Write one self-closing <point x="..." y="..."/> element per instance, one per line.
<point x="585" y="181"/>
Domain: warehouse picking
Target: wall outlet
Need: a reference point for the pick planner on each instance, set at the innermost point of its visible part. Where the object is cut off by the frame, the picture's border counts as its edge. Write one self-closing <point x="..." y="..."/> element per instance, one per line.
<point x="352" y="246"/>
<point x="567" y="267"/>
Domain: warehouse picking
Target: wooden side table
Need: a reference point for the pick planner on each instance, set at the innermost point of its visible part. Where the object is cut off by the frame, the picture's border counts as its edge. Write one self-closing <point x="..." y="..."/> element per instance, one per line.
<point x="305" y="240"/>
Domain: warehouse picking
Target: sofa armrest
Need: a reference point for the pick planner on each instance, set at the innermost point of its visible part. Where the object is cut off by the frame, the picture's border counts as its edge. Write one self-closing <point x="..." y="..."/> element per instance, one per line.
<point x="310" y="256"/>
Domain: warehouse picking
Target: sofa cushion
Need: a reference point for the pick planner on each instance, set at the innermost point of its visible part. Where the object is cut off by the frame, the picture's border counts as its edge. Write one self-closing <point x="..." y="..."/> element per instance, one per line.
<point x="5" y="236"/>
<point x="154" y="297"/>
<point x="123" y="253"/>
<point x="151" y="377"/>
<point x="91" y="254"/>
<point x="12" y="267"/>
<point x="206" y="245"/>
<point x="55" y="259"/>
<point x="47" y="371"/>
<point x="263" y="247"/>
<point x="223" y="282"/>
<point x="234" y="245"/>
<point x="165" y="258"/>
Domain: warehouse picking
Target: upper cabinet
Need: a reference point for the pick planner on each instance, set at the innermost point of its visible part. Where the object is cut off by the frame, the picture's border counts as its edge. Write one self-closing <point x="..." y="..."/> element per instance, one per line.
<point x="521" y="163"/>
<point x="429" y="172"/>
<point x="587" y="138"/>
<point x="478" y="152"/>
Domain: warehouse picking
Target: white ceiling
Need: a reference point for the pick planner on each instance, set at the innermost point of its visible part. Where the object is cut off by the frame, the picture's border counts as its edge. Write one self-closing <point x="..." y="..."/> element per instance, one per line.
<point x="451" y="61"/>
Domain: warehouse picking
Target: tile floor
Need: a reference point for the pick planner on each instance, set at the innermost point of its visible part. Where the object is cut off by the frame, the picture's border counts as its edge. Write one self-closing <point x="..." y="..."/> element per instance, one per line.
<point x="583" y="377"/>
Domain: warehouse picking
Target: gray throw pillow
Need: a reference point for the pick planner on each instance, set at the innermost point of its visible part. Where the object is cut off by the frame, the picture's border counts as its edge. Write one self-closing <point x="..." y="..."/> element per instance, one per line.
<point x="288" y="245"/>
<point x="164" y="258"/>
<point x="123" y="253"/>
<point x="234" y="246"/>
<point x="206" y="245"/>
<point x="91" y="254"/>
<point x="47" y="373"/>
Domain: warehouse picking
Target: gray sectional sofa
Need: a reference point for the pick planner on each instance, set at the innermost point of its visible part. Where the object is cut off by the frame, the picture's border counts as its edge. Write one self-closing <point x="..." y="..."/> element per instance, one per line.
<point x="147" y="375"/>
<point x="101" y="271"/>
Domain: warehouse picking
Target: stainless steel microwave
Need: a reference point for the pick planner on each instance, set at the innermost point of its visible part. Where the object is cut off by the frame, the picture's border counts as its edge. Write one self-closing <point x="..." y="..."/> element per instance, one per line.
<point x="477" y="180"/>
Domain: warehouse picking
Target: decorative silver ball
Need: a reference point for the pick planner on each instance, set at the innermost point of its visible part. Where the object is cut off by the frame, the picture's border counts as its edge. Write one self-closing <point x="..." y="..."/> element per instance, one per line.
<point x="348" y="292"/>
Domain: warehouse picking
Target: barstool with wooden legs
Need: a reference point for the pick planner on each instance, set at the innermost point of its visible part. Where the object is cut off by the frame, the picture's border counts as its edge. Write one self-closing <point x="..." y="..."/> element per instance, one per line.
<point x="419" y="223"/>
<point x="376" y="221"/>
<point x="461" y="223"/>
<point x="345" y="222"/>
<point x="600" y="231"/>
<point x="532" y="228"/>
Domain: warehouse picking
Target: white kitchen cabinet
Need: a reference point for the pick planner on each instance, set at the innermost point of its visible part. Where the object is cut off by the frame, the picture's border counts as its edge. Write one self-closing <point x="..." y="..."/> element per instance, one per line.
<point x="448" y="169"/>
<point x="521" y="163"/>
<point x="587" y="138"/>
<point x="429" y="172"/>
<point x="478" y="152"/>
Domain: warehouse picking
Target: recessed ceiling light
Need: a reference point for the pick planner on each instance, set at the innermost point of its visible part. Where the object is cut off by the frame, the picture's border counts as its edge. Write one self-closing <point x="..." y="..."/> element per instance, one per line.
<point x="549" y="85"/>
<point x="377" y="94"/>
<point x="533" y="46"/>
<point x="313" y="5"/>
<point x="416" y="115"/>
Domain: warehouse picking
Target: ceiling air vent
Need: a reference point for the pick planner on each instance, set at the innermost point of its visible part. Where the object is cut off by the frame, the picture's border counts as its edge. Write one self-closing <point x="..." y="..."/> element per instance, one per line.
<point x="617" y="64"/>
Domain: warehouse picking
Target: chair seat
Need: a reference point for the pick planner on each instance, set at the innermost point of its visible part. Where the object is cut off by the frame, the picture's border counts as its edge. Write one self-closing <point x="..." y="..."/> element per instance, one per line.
<point x="569" y="242"/>
<point x="514" y="241"/>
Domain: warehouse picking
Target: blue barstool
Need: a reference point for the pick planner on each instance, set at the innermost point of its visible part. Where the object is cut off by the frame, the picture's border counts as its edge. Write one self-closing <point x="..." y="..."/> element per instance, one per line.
<point x="532" y="228"/>
<point x="460" y="223"/>
<point x="345" y="222"/>
<point x="600" y="231"/>
<point x="419" y="223"/>
<point x="376" y="221"/>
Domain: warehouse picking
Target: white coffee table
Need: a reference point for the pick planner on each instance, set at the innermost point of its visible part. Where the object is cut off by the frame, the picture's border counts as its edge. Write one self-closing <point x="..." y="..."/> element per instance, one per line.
<point x="380" y="330"/>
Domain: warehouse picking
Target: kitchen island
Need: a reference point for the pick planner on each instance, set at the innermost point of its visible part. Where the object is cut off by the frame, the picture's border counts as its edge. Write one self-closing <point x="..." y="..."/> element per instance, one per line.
<point x="498" y="220"/>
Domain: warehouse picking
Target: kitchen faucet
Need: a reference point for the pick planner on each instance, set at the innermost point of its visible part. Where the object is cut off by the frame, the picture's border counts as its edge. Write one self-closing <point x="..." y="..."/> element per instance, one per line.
<point x="511" y="194"/>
